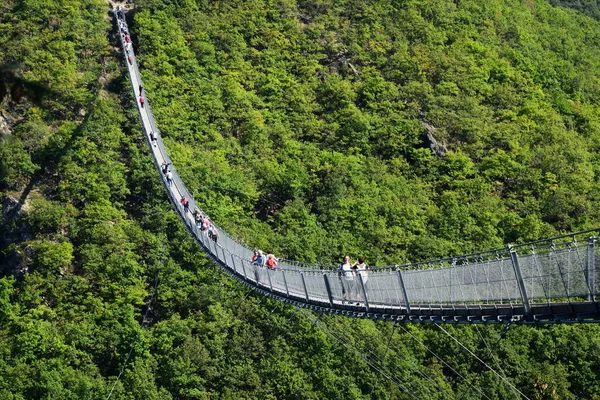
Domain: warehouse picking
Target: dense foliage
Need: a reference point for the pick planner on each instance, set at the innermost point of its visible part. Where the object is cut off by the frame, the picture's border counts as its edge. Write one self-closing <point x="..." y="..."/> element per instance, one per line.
<point x="317" y="117"/>
<point x="401" y="130"/>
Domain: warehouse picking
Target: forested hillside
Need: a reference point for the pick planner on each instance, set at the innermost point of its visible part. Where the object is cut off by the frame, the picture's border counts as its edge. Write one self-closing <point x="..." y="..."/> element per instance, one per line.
<point x="590" y="8"/>
<point x="403" y="130"/>
<point x="398" y="130"/>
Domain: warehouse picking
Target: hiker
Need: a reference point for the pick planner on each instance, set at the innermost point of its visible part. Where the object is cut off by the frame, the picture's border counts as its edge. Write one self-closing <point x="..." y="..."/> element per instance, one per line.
<point x="169" y="178"/>
<point x="205" y="224"/>
<point x="142" y="101"/>
<point x="165" y="167"/>
<point x="271" y="261"/>
<point x="360" y="271"/>
<point x="186" y="203"/>
<point x="197" y="218"/>
<point x="260" y="258"/>
<point x="212" y="233"/>
<point x="346" y="278"/>
<point x="154" y="138"/>
<point x="141" y="88"/>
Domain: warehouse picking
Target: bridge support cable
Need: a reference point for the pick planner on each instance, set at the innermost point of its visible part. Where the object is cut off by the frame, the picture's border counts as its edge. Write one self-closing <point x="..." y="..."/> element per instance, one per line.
<point x="374" y="367"/>
<point x="481" y="361"/>
<point x="562" y="275"/>
<point x="148" y="307"/>
<point x="493" y="357"/>
<point x="443" y="362"/>
<point x="536" y="263"/>
<point x="368" y="349"/>
<point x="520" y="283"/>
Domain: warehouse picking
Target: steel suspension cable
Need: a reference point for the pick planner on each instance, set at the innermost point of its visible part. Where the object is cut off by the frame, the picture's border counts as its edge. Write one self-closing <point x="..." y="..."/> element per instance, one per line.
<point x="410" y="365"/>
<point x="369" y="363"/>
<point x="492" y="356"/>
<point x="319" y="322"/>
<point x="481" y="361"/>
<point x="341" y="333"/>
<point x="443" y="362"/>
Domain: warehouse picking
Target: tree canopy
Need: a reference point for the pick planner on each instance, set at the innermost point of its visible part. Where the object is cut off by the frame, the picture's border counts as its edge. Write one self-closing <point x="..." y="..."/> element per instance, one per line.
<point x="399" y="130"/>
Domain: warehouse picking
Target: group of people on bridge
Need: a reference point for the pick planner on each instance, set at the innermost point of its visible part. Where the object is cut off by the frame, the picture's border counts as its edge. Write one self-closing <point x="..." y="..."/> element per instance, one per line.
<point x="353" y="278"/>
<point x="202" y="221"/>
<point x="267" y="261"/>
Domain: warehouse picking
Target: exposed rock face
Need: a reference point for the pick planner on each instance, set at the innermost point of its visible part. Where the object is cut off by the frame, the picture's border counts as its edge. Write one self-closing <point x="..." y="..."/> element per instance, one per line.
<point x="437" y="147"/>
<point x="18" y="262"/>
<point x="5" y="128"/>
<point x="9" y="204"/>
<point x="10" y="207"/>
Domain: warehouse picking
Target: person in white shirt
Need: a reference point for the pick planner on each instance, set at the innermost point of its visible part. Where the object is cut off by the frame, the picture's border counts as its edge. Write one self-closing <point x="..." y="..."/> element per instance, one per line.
<point x="360" y="269"/>
<point x="346" y="277"/>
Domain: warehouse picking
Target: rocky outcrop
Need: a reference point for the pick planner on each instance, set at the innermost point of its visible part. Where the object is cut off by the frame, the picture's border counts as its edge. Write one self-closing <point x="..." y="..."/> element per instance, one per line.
<point x="5" y="128"/>
<point x="18" y="262"/>
<point x="10" y="205"/>
<point x="436" y="146"/>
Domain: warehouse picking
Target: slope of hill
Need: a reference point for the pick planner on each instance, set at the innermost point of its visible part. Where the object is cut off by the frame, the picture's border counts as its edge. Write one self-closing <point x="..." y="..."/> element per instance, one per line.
<point x="311" y="117"/>
<point x="398" y="130"/>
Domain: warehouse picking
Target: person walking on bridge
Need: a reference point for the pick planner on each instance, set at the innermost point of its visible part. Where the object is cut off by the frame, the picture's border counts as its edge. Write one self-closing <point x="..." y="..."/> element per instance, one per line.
<point x="165" y="167"/>
<point x="360" y="272"/>
<point x="154" y="138"/>
<point x="186" y="203"/>
<point x="346" y="277"/>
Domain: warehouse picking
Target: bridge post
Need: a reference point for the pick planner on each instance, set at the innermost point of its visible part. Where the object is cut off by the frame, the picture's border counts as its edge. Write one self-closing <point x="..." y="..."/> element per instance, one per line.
<point x="401" y="281"/>
<point x="364" y="292"/>
<point x="224" y="256"/>
<point x="244" y="270"/>
<point x="287" y="291"/>
<point x="326" y="279"/>
<point x="270" y="281"/>
<point x="521" y="284"/>
<point x="590" y="268"/>
<point x="304" y="284"/>
<point x="257" y="275"/>
<point x="451" y="269"/>
<point x="233" y="264"/>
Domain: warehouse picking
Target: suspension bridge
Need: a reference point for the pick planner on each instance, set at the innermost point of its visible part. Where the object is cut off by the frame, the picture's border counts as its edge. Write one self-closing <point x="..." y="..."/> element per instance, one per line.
<point x="554" y="280"/>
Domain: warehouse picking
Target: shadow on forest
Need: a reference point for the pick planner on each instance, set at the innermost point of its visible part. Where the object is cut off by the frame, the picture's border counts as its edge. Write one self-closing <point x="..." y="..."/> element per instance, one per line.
<point x="35" y="93"/>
